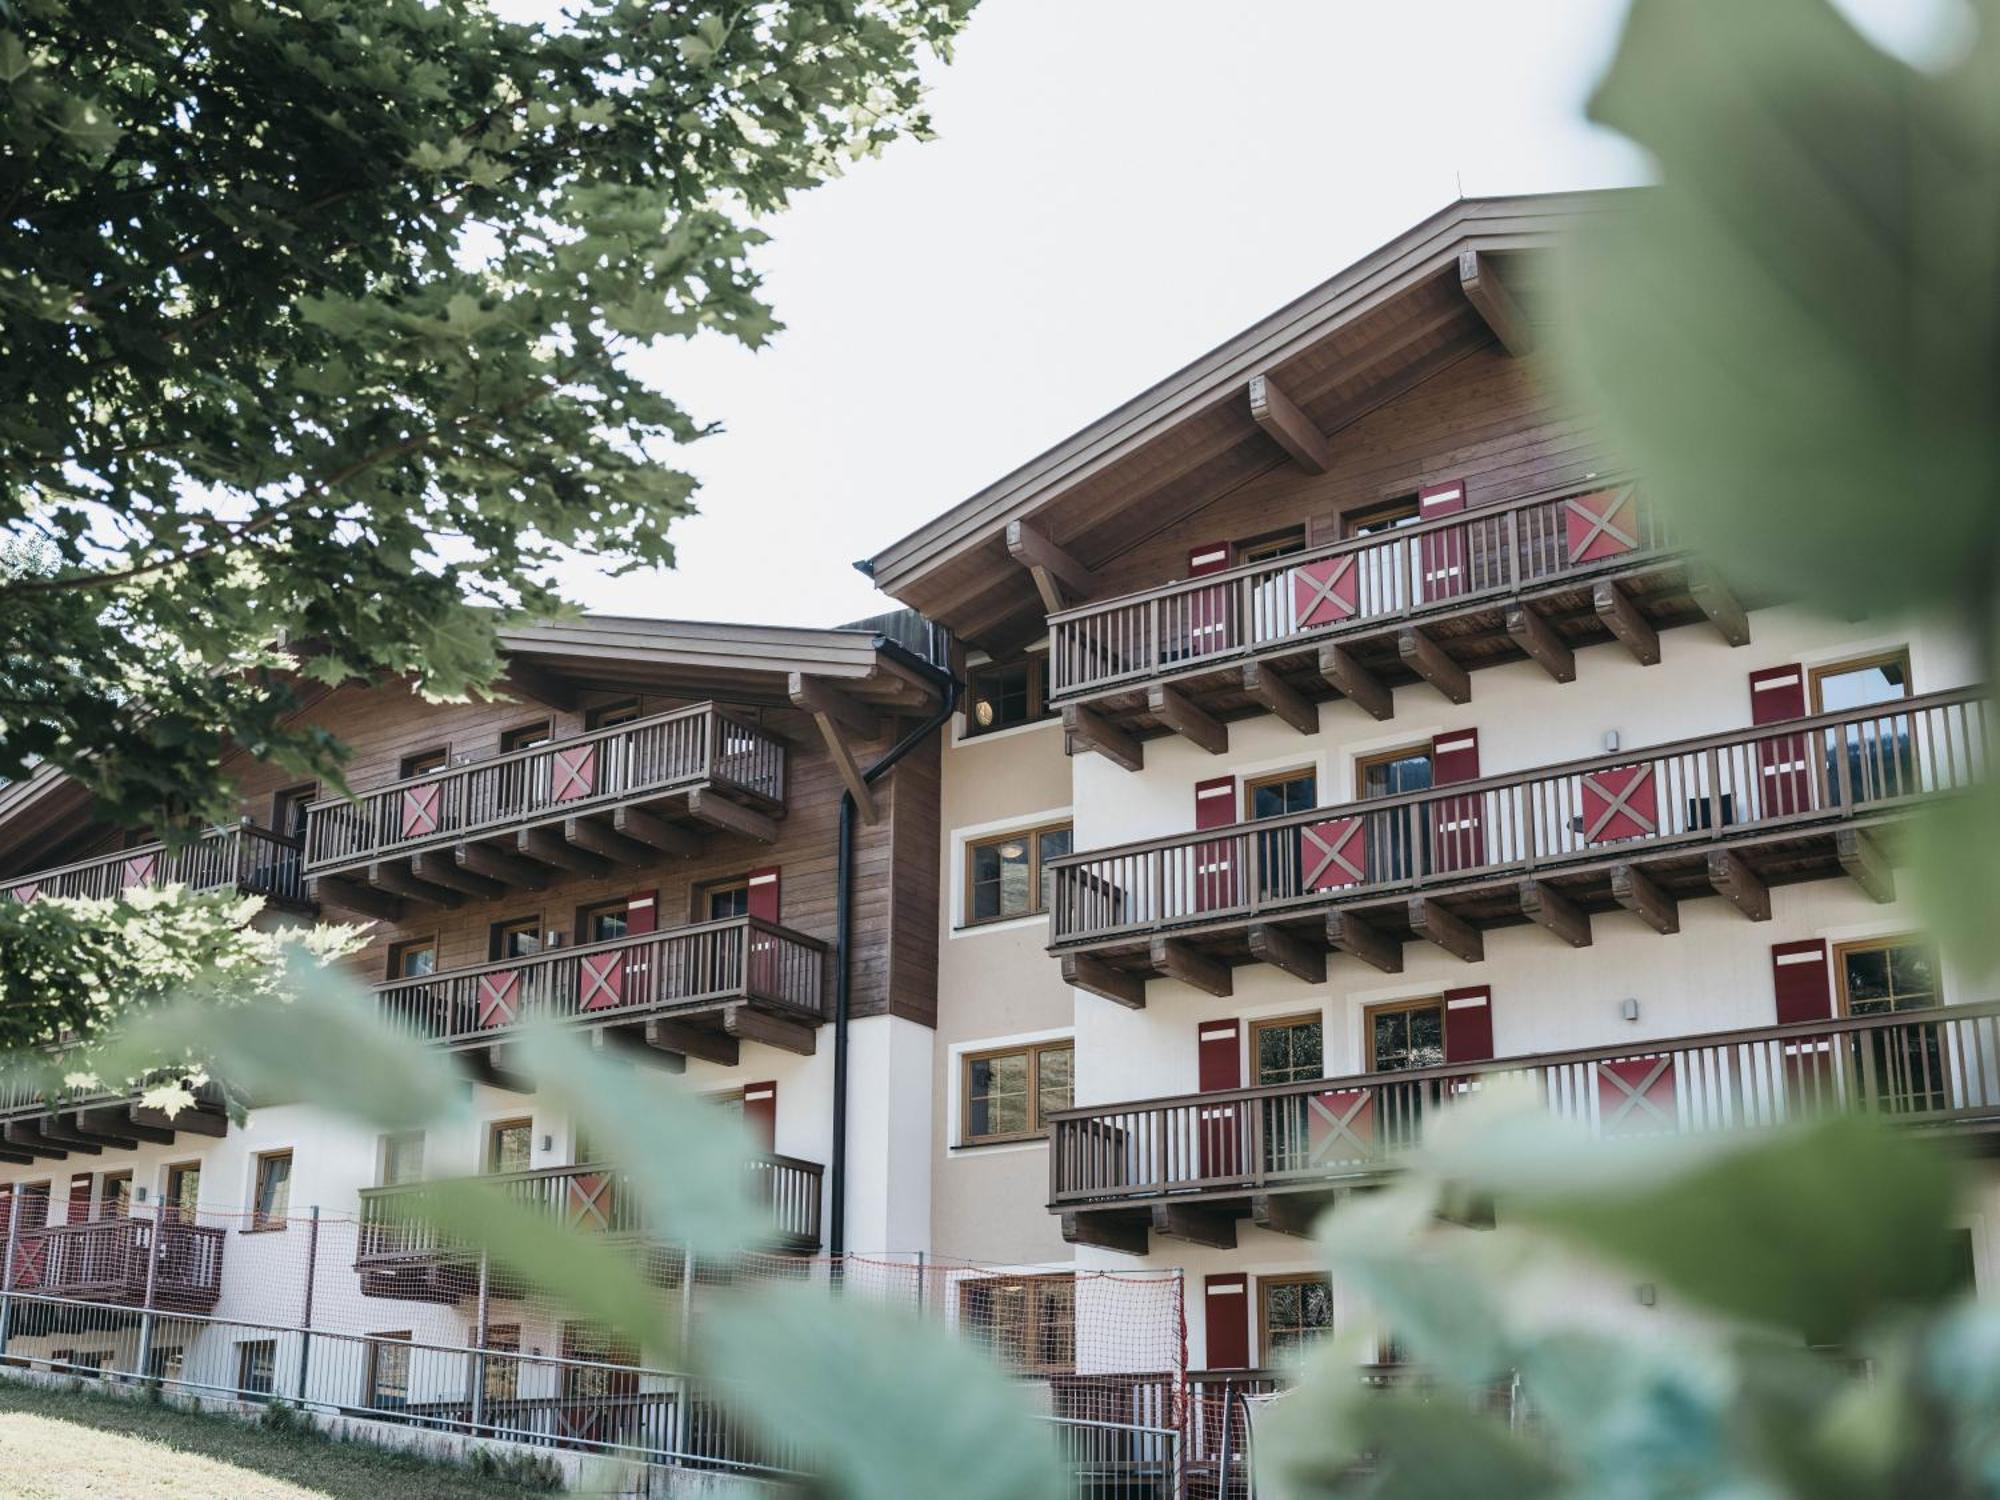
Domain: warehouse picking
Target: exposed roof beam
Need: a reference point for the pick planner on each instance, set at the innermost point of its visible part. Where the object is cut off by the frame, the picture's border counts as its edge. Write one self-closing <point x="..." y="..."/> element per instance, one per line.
<point x="540" y="684"/>
<point x="835" y="713"/>
<point x="1290" y="428"/>
<point x="1480" y="279"/>
<point x="1052" y="568"/>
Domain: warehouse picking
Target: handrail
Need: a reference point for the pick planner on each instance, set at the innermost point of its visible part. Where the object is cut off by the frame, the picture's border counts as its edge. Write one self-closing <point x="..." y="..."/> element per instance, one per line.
<point x="219" y="856"/>
<point x="1704" y="789"/>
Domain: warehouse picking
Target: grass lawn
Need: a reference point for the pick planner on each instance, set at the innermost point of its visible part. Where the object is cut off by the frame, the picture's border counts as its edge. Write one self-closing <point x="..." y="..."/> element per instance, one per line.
<point x="59" y="1444"/>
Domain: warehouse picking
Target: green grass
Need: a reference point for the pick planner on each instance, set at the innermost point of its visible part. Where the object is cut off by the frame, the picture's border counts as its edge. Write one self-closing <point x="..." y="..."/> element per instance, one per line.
<point x="59" y="1443"/>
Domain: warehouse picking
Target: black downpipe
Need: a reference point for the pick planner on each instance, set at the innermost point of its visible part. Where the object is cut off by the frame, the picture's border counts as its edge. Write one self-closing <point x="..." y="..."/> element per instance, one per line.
<point x="843" y="915"/>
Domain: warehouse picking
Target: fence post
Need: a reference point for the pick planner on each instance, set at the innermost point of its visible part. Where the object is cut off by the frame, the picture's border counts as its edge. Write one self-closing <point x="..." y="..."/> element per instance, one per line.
<point x="479" y="1344"/>
<point x="155" y="1247"/>
<point x="7" y="1262"/>
<point x="305" y="1323"/>
<point x="921" y="1288"/>
<point x="682" y="1424"/>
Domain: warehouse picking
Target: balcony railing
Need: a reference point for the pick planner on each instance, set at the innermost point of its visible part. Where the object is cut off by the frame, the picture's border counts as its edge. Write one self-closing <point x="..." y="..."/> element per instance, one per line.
<point x="592" y="1199"/>
<point x="1713" y="790"/>
<point x="113" y="1260"/>
<point x="657" y="974"/>
<point x="1937" y="1067"/>
<point x="244" y="856"/>
<point x="1352" y="586"/>
<point x="647" y="758"/>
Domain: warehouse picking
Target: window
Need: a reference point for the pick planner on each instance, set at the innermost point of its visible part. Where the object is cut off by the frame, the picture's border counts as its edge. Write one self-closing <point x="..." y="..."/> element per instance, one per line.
<point x="1028" y="1322"/>
<point x="273" y="1201"/>
<point x="414" y="958"/>
<point x="1386" y="515"/>
<point x="288" y="809"/>
<point x="1409" y="1034"/>
<point x="1886" y="975"/>
<point x="526" y="737"/>
<point x="1275" y="544"/>
<point x="402" y="1157"/>
<point x="503" y="1370"/>
<point x="517" y="937"/>
<point x="184" y="1190"/>
<point x="257" y="1367"/>
<point x="165" y="1362"/>
<point x="1879" y="759"/>
<point x="1009" y="1094"/>
<point x="389" y="1370"/>
<point x="597" y="1348"/>
<point x="1003" y="694"/>
<point x="1290" y="1050"/>
<point x="1004" y="876"/>
<point x="1860" y="684"/>
<point x="1294" y="1311"/>
<point x="602" y="923"/>
<point x="426" y="762"/>
<point x="114" y="1195"/>
<point x="1393" y="772"/>
<point x="510" y="1146"/>
<point x="609" y="714"/>
<point x="1286" y="792"/>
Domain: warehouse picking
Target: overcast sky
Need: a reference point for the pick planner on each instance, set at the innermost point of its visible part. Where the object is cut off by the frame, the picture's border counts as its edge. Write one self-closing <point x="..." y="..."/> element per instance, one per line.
<point x="1116" y="187"/>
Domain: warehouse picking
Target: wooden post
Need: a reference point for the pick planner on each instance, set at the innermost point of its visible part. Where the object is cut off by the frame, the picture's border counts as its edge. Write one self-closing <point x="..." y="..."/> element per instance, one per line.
<point x="479" y="1345"/>
<point x="306" y="1323"/>
<point x="154" y="1246"/>
<point x="7" y="1262"/>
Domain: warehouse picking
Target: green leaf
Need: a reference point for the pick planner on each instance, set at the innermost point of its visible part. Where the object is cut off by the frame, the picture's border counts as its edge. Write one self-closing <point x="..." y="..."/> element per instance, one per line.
<point x="14" y="62"/>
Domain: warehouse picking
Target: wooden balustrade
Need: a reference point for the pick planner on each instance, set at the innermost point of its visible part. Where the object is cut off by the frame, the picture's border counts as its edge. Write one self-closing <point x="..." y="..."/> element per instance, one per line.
<point x="655" y="974"/>
<point x="643" y="760"/>
<point x="1714" y="790"/>
<point x="1935" y="1067"/>
<point x="1363" y="583"/>
<point x="106" y="1260"/>
<point x="242" y="856"/>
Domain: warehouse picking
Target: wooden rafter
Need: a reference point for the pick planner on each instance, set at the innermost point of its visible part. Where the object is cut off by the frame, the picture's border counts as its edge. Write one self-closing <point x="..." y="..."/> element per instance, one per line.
<point x="838" y="715"/>
<point x="1053" y="569"/>
<point x="1480" y="280"/>
<point x="1290" y="428"/>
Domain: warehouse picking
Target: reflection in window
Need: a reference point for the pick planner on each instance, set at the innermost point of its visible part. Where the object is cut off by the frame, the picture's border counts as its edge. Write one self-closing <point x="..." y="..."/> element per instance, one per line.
<point x="1406" y="1036"/>
<point x="1008" y="1095"/>
<point x="1297" y="1311"/>
<point x="1007" y="876"/>
<point x="1028" y="1322"/>
<point x="1289" y="1051"/>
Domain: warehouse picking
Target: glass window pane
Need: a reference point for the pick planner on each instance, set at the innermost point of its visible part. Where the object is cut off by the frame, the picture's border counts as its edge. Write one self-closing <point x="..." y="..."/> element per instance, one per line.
<point x="1912" y="977"/>
<point x="1000" y="878"/>
<point x="1867" y="975"/>
<point x="997" y="1095"/>
<point x="1426" y="1038"/>
<point x="1878" y="682"/>
<point x="1056" y="1088"/>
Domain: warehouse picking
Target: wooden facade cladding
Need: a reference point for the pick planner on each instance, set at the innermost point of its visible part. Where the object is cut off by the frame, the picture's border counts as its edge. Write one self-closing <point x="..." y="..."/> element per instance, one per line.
<point x="616" y="795"/>
<point x="244" y="857"/>
<point x="402" y="1253"/>
<point x="131" y="1262"/>
<point x="1534" y="577"/>
<point x="1198" y="1162"/>
<point x="1726" y="813"/>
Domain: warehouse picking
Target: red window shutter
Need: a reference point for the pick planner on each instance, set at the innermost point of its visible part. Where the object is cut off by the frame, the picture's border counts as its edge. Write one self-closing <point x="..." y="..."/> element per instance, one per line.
<point x="1215" y="802"/>
<point x="1226" y="1319"/>
<point x="1455" y="757"/>
<point x="79" y="1200"/>
<point x="642" y="912"/>
<point x="1215" y="875"/>
<point x="1777" y="694"/>
<point x="1803" y="981"/>
<point x="762" y="898"/>
<point x="1468" y="1024"/>
<point x="760" y="1114"/>
<point x="1221" y="1055"/>
<point x="1210" y="558"/>
<point x="1458" y="837"/>
<point x="1444" y="499"/>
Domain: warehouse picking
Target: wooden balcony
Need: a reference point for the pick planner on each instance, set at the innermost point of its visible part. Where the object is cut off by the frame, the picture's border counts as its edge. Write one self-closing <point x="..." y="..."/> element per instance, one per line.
<point x="401" y="1255"/>
<point x="630" y="795"/>
<point x="130" y="1262"/>
<point x="243" y="857"/>
<point x="1638" y="831"/>
<point x="1191" y="1166"/>
<point x="1534" y="577"/>
<point x="689" y="991"/>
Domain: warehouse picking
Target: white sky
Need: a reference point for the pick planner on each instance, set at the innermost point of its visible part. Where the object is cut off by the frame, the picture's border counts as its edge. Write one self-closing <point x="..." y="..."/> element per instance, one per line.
<point x="1116" y="187"/>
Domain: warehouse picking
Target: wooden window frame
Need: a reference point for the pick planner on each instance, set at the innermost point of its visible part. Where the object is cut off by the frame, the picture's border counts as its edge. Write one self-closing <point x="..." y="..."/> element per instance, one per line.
<point x="1365" y="763"/>
<point x="1252" y="784"/>
<point x="378" y="1345"/>
<point x="586" y="912"/>
<point x="1033" y="836"/>
<point x="503" y="1339"/>
<point x="490" y="1156"/>
<point x="1396" y="507"/>
<point x="1038" y="693"/>
<point x="535" y="734"/>
<point x="245" y="1352"/>
<point x="300" y="794"/>
<point x="1029" y="1333"/>
<point x="105" y="1180"/>
<point x="170" y="1198"/>
<point x="1267" y="545"/>
<point x="611" y="715"/>
<point x="386" y="1143"/>
<point x="1037" y="1127"/>
<point x="1816" y="676"/>
<point x="404" y="946"/>
<point x="700" y="893"/>
<point x="1266" y="1355"/>
<point x="1389" y="1007"/>
<point x="260" y="1222"/>
<point x="1276" y="1023"/>
<point x="414" y="764"/>
<point x="1837" y="960"/>
<point x="495" y="930"/>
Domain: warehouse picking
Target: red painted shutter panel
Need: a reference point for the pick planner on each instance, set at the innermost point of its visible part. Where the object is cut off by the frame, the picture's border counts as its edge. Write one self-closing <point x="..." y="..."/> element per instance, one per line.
<point x="642" y="913"/>
<point x="1455" y="757"/>
<point x="1784" y="779"/>
<point x="1226" y="1320"/>
<point x="79" y="1200"/>
<point x="1443" y="499"/>
<point x="1212" y="557"/>
<point x="761" y="900"/>
<point x="760" y="1114"/>
<point x="1215" y="802"/>
<point x="1458" y="836"/>
<point x="1777" y="694"/>
<point x="1221" y="1056"/>
<point x="1208" y="614"/>
<point x="1441" y="553"/>
<point x="1468" y="1024"/>
<point x="1215" y="871"/>
<point x="1803" y="981"/>
<point x="762" y="897"/>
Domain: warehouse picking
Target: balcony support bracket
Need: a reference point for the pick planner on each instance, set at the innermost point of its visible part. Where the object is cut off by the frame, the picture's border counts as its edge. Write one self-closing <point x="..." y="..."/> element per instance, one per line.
<point x="837" y="715"/>
<point x="440" y="868"/>
<point x="1177" y="711"/>
<point x="1623" y="619"/>
<point x="25" y="1138"/>
<point x="1351" y="935"/>
<point x="1636" y="891"/>
<point x="1195" y="1224"/>
<point x="1090" y="729"/>
<point x="1424" y="656"/>
<point x="1548" y="907"/>
<point x="1095" y="975"/>
<point x="489" y="1065"/>
<point x="587" y="833"/>
<point x="1344" y="672"/>
<point x="1536" y="636"/>
<point x="349" y="895"/>
<point x="1719" y="602"/>
<point x="1122" y="1231"/>
<point x="651" y="828"/>
<point x="717" y="1047"/>
<point x="732" y="817"/>
<point x="1861" y="856"/>
<point x="498" y="865"/>
<point x="546" y="846"/>
<point x="1740" y="885"/>
<point x="1288" y="427"/>
<point x="212" y="1123"/>
<point x="748" y="1024"/>
<point x="541" y="686"/>
<point x="398" y="880"/>
<point x="1289" y="1213"/>
<point x="1284" y="950"/>
<point x="1447" y="929"/>
<point x="67" y="1130"/>
<point x="1057" y="575"/>
<point x="1179" y="959"/>
<point x="1262" y="682"/>
<point x="630" y="1044"/>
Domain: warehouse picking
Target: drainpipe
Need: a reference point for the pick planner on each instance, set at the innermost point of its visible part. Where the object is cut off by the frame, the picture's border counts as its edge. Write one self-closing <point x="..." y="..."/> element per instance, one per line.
<point x="843" y="919"/>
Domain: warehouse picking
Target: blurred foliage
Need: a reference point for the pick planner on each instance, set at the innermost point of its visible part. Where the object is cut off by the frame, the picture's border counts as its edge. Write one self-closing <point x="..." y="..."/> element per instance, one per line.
<point x="1543" y="1378"/>
<point x="314" y="325"/>
<point x="1795" y="336"/>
